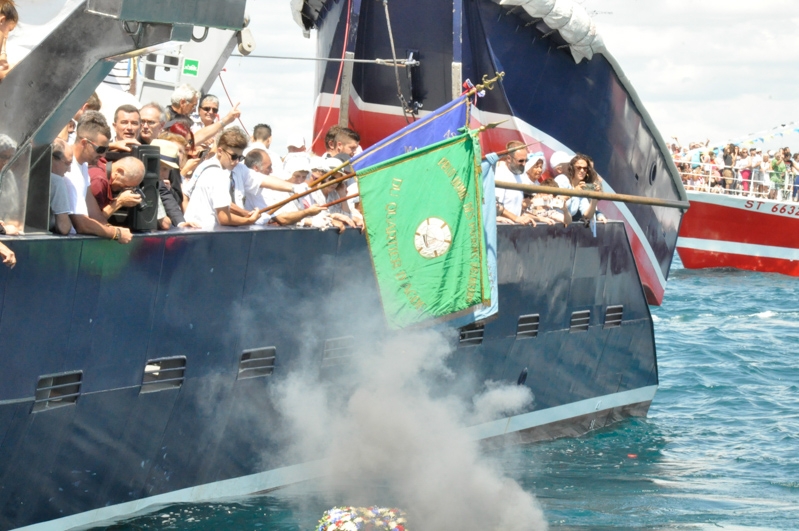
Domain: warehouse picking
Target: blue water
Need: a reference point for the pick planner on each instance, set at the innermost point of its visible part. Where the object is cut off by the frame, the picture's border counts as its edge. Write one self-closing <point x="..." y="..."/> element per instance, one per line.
<point x="719" y="449"/>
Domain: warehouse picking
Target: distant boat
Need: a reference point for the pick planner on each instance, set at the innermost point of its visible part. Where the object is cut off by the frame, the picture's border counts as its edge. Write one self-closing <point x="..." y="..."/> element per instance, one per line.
<point x="128" y="379"/>
<point x="754" y="234"/>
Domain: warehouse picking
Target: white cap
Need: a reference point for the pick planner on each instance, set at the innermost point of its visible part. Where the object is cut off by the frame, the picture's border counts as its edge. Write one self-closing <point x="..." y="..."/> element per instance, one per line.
<point x="296" y="141"/>
<point x="558" y="158"/>
<point x="295" y="164"/>
<point x="324" y="164"/>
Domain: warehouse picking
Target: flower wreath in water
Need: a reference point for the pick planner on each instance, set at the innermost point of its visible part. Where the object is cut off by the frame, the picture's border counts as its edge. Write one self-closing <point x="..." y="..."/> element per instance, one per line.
<point x="362" y="519"/>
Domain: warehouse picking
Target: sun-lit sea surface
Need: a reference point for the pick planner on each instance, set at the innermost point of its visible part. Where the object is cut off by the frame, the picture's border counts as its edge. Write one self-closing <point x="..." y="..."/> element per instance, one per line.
<point x="719" y="450"/>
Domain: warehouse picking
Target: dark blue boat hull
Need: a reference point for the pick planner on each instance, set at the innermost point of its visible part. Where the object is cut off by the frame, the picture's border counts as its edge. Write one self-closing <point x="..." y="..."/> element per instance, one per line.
<point x="82" y="304"/>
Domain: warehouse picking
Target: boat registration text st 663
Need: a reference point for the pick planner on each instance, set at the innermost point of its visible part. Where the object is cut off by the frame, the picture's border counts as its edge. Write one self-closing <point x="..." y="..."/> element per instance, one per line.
<point x="783" y="209"/>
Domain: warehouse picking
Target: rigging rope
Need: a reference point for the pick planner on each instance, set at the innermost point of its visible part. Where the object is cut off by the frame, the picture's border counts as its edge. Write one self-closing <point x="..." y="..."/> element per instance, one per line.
<point x="403" y="103"/>
<point x="338" y="79"/>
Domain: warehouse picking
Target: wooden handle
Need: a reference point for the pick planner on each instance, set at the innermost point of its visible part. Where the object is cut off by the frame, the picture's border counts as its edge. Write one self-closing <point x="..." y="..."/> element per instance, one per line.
<point x="623" y="198"/>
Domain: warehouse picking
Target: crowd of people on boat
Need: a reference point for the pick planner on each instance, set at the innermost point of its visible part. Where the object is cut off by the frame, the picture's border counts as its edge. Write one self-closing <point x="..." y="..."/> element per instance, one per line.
<point x="214" y="174"/>
<point x="739" y="170"/>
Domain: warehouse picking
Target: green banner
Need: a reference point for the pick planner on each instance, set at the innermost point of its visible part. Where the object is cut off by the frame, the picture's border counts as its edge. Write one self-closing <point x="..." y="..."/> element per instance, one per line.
<point x="425" y="231"/>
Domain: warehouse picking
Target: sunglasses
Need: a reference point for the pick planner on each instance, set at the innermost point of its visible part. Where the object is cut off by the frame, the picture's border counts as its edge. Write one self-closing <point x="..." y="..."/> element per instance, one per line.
<point x="212" y="110"/>
<point x="581" y="168"/>
<point x="100" y="150"/>
<point x="233" y="156"/>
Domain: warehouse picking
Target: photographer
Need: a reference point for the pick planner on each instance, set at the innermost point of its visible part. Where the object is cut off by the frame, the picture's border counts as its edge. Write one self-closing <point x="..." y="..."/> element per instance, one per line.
<point x="582" y="177"/>
<point x="120" y="190"/>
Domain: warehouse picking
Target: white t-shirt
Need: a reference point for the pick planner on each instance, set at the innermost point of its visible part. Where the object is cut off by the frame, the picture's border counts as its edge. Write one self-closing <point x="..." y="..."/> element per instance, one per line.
<point x="510" y="199"/>
<point x="77" y="181"/>
<point x="211" y="191"/>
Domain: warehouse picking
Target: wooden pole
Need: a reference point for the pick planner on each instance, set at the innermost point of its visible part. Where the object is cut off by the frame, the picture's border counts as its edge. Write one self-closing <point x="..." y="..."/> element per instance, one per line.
<point x="272" y="208"/>
<point x="511" y="150"/>
<point x="337" y="201"/>
<point x="623" y="198"/>
<point x="328" y="174"/>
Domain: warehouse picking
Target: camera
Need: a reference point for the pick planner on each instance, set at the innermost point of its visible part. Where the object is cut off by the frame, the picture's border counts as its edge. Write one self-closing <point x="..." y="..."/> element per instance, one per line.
<point x="144" y="216"/>
<point x="590" y="186"/>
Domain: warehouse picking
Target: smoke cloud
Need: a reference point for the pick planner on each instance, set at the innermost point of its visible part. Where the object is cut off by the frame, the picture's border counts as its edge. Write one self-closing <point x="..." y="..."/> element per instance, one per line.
<point x="389" y="418"/>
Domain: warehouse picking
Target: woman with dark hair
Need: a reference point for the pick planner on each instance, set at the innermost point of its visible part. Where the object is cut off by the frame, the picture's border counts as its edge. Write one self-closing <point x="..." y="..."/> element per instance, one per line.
<point x="581" y="176"/>
<point x="8" y="21"/>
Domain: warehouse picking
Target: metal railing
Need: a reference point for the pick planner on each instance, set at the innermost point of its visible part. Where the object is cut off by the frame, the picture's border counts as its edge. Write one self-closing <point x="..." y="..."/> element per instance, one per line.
<point x="758" y="184"/>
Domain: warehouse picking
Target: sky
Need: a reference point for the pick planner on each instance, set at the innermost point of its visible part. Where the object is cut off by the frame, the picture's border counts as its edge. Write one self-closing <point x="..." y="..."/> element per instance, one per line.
<point x="708" y="69"/>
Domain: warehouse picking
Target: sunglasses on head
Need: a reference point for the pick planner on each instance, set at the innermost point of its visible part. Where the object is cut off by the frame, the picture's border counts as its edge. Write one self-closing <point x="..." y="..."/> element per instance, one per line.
<point x="212" y="110"/>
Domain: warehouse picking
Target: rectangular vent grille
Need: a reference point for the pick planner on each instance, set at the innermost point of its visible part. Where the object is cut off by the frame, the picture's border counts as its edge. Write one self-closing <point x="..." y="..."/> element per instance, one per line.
<point x="338" y="351"/>
<point x="164" y="373"/>
<point x="471" y="336"/>
<point x="528" y="326"/>
<point x="57" y="391"/>
<point x="257" y="362"/>
<point x="579" y="321"/>
<point x="613" y="316"/>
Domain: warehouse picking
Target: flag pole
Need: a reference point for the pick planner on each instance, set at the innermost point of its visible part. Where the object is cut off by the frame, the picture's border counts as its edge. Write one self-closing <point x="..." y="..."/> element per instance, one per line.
<point x="554" y="190"/>
<point x="622" y="198"/>
<point x="272" y="208"/>
<point x="337" y="201"/>
<point x="511" y="150"/>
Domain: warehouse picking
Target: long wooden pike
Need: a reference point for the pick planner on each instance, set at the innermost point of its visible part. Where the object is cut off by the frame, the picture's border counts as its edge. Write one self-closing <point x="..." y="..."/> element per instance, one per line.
<point x="622" y="198"/>
<point x="511" y="150"/>
<point x="272" y="208"/>
<point x="337" y="201"/>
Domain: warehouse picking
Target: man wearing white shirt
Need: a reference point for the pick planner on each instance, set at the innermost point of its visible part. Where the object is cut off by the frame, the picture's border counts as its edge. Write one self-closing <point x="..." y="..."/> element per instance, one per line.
<point x="91" y="142"/>
<point x="509" y="202"/>
<point x="216" y="195"/>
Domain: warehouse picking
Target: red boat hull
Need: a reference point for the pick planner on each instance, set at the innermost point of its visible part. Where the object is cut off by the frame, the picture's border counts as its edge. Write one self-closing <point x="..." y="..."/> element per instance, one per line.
<point x="740" y="232"/>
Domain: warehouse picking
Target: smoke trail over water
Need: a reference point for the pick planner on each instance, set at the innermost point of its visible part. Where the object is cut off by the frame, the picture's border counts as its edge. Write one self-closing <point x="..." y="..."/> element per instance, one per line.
<point x="385" y="420"/>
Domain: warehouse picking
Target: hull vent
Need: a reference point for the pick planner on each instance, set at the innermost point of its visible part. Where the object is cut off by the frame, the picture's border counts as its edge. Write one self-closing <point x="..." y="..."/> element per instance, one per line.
<point x="471" y="336"/>
<point x="57" y="391"/>
<point x="579" y="321"/>
<point x="257" y="362"/>
<point x="527" y="326"/>
<point x="338" y="351"/>
<point x="162" y="374"/>
<point x="613" y="316"/>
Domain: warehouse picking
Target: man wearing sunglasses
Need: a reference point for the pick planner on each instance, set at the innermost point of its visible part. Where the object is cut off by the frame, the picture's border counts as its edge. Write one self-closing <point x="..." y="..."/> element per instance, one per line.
<point x="91" y="142"/>
<point x="214" y="190"/>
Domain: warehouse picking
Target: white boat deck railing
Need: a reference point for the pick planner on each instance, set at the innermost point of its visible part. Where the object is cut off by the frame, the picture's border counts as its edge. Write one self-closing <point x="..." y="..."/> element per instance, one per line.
<point x="758" y="185"/>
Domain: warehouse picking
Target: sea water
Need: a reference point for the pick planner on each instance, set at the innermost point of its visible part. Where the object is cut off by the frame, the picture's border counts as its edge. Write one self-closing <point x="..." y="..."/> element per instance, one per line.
<point x="719" y="449"/>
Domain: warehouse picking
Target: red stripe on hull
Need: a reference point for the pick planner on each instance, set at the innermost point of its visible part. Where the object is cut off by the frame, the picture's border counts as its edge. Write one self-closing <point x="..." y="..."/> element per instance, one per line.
<point x="697" y="259"/>
<point x="709" y="221"/>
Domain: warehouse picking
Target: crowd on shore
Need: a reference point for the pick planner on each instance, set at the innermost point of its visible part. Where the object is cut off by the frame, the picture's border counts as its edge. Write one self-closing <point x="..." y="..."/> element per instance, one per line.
<point x="739" y="170"/>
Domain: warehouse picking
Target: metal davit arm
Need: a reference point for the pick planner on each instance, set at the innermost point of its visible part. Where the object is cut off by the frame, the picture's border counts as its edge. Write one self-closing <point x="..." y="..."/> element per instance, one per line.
<point x="42" y="93"/>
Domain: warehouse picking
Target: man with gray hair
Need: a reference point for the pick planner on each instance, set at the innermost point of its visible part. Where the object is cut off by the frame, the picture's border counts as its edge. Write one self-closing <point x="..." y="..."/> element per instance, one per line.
<point x="60" y="208"/>
<point x="119" y="190"/>
<point x="183" y="103"/>
<point x="153" y="118"/>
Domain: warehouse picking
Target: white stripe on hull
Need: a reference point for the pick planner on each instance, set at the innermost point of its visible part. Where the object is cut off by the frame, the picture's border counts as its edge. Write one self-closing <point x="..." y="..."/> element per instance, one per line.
<point x="280" y="477"/>
<point x="744" y="249"/>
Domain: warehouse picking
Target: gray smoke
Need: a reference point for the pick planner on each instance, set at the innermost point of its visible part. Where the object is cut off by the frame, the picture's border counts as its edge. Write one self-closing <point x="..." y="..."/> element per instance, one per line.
<point x="385" y="421"/>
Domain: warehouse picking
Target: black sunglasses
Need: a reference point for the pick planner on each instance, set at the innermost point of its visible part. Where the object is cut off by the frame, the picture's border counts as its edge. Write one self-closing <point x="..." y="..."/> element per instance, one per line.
<point x="212" y="110"/>
<point x="233" y="156"/>
<point x="100" y="150"/>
